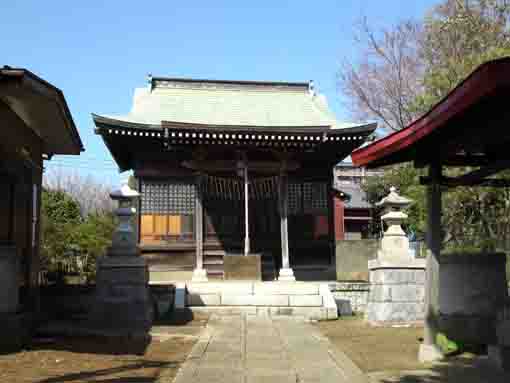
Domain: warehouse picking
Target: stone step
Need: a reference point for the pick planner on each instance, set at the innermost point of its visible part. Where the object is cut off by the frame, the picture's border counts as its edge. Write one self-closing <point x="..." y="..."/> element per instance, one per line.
<point x="208" y="261"/>
<point x="214" y="272"/>
<point x="214" y="253"/>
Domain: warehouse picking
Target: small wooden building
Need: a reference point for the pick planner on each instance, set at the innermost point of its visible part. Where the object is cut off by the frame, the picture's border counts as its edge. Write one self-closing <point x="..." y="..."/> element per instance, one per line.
<point x="465" y="129"/>
<point x="195" y="146"/>
<point x="35" y="123"/>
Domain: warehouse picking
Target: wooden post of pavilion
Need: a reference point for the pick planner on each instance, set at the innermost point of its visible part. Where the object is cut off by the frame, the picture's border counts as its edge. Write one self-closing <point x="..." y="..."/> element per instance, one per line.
<point x="286" y="273"/>
<point x="246" y="210"/>
<point x="428" y="349"/>
<point x="199" y="274"/>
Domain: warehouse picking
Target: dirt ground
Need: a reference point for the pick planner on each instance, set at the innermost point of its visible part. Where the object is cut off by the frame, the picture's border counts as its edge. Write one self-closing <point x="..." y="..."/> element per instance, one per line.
<point x="389" y="355"/>
<point x="80" y="360"/>
<point x="375" y="348"/>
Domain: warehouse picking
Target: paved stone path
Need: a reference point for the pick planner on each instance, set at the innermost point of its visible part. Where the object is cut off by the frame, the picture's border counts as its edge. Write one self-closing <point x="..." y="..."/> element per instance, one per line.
<point x="245" y="349"/>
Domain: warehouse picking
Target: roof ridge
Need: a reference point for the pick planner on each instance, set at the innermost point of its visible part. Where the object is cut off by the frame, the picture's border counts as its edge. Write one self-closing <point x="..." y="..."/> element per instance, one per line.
<point x="220" y="81"/>
<point x="206" y="84"/>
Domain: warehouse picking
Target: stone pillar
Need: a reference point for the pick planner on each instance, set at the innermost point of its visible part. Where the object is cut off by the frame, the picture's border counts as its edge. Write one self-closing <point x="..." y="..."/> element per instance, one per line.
<point x="199" y="274"/>
<point x="286" y="273"/>
<point x="123" y="306"/>
<point x="428" y="350"/>
<point x="396" y="278"/>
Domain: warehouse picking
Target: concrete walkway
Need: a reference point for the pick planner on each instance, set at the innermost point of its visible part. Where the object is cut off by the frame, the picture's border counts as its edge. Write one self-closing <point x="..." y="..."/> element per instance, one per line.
<point x="246" y="348"/>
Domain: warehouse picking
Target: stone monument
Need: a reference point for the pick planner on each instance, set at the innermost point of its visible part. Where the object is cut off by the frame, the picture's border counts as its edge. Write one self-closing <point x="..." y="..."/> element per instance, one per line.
<point x="397" y="279"/>
<point x="499" y="353"/>
<point x="123" y="304"/>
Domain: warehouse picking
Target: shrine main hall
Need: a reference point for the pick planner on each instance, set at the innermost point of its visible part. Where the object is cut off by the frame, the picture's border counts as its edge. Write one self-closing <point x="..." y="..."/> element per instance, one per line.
<point x="228" y="169"/>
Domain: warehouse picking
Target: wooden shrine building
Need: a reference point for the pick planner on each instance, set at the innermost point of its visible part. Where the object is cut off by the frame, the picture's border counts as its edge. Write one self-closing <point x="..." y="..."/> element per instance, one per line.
<point x="195" y="146"/>
<point x="35" y="124"/>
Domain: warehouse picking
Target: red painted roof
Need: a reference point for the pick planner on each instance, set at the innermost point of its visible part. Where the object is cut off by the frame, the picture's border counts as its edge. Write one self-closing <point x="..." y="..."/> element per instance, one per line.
<point x="482" y="82"/>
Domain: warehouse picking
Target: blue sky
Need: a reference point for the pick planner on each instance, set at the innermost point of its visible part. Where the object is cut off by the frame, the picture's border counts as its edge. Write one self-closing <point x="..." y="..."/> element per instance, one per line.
<point x="97" y="52"/>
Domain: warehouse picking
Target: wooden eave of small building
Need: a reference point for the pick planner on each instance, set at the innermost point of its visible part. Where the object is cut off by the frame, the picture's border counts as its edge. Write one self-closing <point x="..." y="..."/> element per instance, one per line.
<point x="451" y="134"/>
<point x="38" y="103"/>
<point x="466" y="128"/>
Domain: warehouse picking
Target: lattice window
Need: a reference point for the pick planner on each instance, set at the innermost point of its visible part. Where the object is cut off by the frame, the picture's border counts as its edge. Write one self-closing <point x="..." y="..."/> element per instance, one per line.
<point x="315" y="197"/>
<point x="307" y="198"/>
<point x="174" y="197"/>
<point x="294" y="199"/>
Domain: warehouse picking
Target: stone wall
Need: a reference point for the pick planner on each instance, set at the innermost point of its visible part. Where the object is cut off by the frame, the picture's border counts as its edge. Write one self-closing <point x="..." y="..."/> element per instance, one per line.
<point x="66" y="301"/>
<point x="352" y="259"/>
<point x="75" y="301"/>
<point x="350" y="297"/>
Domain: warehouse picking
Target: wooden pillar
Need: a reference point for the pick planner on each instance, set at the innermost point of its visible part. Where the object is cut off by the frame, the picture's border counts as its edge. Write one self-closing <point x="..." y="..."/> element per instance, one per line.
<point x="428" y="349"/>
<point x="286" y="273"/>
<point x="199" y="274"/>
<point x="246" y="211"/>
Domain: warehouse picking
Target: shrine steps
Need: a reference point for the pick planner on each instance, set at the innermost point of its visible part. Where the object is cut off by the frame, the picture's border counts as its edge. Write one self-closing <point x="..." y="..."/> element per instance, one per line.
<point x="213" y="263"/>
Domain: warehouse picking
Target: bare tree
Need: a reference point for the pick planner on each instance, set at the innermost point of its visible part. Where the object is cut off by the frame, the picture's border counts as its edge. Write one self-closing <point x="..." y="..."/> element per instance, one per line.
<point x="385" y="80"/>
<point x="92" y="195"/>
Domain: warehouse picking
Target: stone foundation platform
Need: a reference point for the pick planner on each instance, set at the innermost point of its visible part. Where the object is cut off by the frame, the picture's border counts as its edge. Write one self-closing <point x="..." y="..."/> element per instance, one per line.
<point x="302" y="299"/>
<point x="397" y="292"/>
<point x="122" y="300"/>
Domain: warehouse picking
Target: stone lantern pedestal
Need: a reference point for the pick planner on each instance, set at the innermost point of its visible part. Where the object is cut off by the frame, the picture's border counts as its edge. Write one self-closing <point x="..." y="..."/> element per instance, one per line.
<point x="397" y="280"/>
<point x="123" y="305"/>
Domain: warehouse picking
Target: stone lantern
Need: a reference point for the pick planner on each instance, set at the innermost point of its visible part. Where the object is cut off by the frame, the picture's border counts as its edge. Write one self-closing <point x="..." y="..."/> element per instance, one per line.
<point x="397" y="279"/>
<point x="123" y="302"/>
<point x="124" y="241"/>
<point x="394" y="243"/>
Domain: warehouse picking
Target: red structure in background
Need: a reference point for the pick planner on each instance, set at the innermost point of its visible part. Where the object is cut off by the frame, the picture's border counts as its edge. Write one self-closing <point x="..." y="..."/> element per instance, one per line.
<point x="339" y="209"/>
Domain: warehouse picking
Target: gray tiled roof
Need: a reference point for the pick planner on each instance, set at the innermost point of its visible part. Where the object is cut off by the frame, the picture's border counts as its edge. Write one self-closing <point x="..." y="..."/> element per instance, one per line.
<point x="232" y="104"/>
